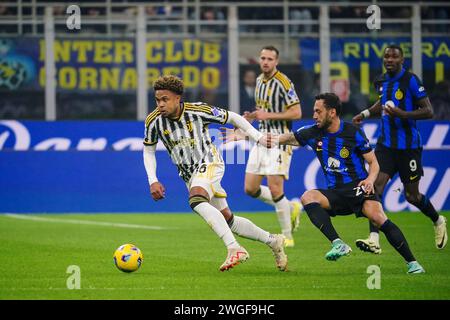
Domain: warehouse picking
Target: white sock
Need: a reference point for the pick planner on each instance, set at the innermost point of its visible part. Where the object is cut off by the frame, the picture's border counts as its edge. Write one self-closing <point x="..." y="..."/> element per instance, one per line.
<point x="266" y="196"/>
<point x="375" y="237"/>
<point x="247" y="229"/>
<point x="217" y="222"/>
<point x="283" y="209"/>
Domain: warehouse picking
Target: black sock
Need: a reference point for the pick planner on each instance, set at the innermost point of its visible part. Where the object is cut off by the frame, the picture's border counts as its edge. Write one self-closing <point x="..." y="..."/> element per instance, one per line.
<point x="396" y="238"/>
<point x="373" y="228"/>
<point x="427" y="208"/>
<point x="320" y="218"/>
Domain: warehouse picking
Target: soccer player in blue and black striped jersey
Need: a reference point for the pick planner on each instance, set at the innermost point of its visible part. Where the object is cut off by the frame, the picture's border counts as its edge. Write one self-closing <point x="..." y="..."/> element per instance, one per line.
<point x="342" y="149"/>
<point x="403" y="100"/>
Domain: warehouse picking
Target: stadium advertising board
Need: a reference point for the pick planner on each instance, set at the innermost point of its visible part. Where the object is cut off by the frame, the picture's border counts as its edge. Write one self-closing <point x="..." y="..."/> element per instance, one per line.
<point x="107" y="65"/>
<point x="79" y="166"/>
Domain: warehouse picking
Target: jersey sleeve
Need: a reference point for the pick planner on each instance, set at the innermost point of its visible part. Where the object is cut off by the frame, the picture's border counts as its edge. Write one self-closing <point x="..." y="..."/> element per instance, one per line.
<point x="302" y="135"/>
<point x="416" y="88"/>
<point x="150" y="132"/>
<point x="378" y="85"/>
<point x="290" y="96"/>
<point x="209" y="114"/>
<point x="362" y="143"/>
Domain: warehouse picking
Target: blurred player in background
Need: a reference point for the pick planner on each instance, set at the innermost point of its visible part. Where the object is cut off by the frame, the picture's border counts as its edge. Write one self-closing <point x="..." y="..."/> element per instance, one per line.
<point x="403" y="100"/>
<point x="277" y="104"/>
<point x="342" y="150"/>
<point x="183" y="129"/>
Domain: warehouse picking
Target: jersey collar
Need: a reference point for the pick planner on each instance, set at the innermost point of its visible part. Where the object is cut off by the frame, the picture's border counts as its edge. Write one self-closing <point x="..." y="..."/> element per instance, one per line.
<point x="182" y="112"/>
<point x="268" y="79"/>
<point x="341" y="127"/>
<point x="397" y="76"/>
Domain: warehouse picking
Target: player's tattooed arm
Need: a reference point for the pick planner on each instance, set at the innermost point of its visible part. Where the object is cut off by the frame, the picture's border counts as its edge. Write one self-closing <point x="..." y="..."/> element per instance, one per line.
<point x="282" y="139"/>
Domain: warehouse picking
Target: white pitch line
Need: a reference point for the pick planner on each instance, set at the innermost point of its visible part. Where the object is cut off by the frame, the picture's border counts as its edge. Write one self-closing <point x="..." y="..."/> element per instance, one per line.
<point x="72" y="221"/>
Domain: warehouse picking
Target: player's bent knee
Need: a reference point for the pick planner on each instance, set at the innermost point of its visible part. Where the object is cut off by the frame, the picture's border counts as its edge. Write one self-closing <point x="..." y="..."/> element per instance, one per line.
<point x="308" y="197"/>
<point x="195" y="200"/>
<point x="412" y="197"/>
<point x="374" y="212"/>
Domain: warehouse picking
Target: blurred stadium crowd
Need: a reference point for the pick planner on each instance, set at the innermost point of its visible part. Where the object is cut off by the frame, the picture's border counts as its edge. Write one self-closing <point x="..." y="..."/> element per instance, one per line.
<point x="173" y="11"/>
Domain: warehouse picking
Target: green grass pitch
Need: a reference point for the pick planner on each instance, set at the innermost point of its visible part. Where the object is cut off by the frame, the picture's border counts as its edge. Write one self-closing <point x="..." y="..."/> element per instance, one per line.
<point x="181" y="260"/>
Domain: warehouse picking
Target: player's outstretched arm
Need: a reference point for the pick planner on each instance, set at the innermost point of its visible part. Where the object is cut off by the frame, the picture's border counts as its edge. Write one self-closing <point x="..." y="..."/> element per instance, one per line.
<point x="229" y="135"/>
<point x="157" y="190"/>
<point x="282" y="139"/>
<point x="374" y="110"/>
<point x="246" y="128"/>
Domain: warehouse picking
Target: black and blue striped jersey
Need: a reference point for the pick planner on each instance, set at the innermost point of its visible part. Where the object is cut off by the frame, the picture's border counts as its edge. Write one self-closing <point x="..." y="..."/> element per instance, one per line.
<point x="340" y="153"/>
<point x="404" y="89"/>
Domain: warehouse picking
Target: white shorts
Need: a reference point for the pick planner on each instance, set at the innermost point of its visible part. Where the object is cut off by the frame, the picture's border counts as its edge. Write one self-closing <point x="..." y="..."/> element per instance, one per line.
<point x="208" y="177"/>
<point x="269" y="162"/>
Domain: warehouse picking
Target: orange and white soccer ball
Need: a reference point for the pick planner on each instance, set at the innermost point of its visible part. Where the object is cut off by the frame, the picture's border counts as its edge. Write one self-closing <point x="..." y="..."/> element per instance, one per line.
<point x="128" y="258"/>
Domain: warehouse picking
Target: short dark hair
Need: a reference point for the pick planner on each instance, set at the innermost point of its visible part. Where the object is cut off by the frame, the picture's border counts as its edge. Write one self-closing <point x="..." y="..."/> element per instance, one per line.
<point x="331" y="101"/>
<point x="271" y="48"/>
<point x="396" y="47"/>
<point x="169" y="82"/>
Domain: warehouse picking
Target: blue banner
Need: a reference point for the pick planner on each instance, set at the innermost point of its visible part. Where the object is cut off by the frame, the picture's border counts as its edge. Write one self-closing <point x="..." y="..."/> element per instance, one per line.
<point x="355" y="62"/>
<point x="76" y="166"/>
<point x="354" y="51"/>
<point x="109" y="65"/>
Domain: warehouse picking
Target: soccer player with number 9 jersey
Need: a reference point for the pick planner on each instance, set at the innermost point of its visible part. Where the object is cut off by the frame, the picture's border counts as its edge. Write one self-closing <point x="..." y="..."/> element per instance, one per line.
<point x="402" y="100"/>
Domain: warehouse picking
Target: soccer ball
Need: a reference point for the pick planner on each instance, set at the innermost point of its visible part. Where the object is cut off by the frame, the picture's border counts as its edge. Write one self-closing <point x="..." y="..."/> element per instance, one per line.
<point x="128" y="258"/>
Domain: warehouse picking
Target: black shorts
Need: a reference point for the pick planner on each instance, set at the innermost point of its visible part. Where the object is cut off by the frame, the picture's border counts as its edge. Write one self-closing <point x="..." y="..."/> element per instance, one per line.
<point x="347" y="199"/>
<point x="408" y="163"/>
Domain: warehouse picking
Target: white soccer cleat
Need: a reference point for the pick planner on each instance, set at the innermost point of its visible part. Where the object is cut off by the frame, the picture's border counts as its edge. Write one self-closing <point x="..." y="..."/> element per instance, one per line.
<point x="368" y="245"/>
<point x="234" y="257"/>
<point x="277" y="247"/>
<point x="440" y="234"/>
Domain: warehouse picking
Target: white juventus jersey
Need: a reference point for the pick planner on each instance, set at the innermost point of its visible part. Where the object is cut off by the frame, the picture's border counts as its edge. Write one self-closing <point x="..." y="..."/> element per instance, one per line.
<point x="276" y="94"/>
<point x="187" y="138"/>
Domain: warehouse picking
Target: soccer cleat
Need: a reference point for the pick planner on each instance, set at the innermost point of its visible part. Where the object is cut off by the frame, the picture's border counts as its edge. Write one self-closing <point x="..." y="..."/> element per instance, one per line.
<point x="440" y="234"/>
<point x="289" y="243"/>
<point x="281" y="259"/>
<point x="368" y="245"/>
<point x="296" y="208"/>
<point x="234" y="257"/>
<point x="338" y="249"/>
<point x="415" y="267"/>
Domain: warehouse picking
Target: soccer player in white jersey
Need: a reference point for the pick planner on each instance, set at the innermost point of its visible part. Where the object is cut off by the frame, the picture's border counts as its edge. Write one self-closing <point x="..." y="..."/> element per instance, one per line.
<point x="277" y="104"/>
<point x="183" y="129"/>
